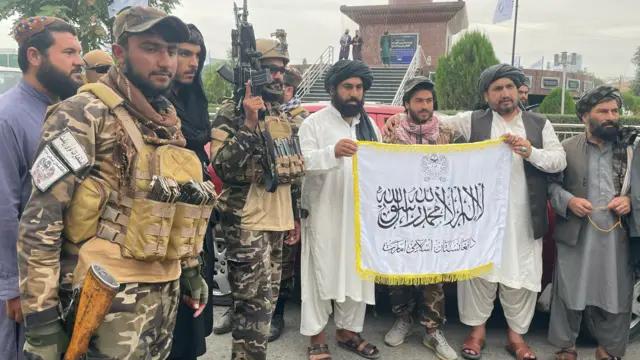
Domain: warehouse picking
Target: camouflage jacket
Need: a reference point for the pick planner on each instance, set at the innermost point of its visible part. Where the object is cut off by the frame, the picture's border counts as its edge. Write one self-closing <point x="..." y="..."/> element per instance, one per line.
<point x="47" y="261"/>
<point x="242" y="149"/>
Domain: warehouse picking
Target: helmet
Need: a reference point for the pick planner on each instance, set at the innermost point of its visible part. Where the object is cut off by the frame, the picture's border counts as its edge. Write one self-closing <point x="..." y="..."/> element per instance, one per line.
<point x="272" y="49"/>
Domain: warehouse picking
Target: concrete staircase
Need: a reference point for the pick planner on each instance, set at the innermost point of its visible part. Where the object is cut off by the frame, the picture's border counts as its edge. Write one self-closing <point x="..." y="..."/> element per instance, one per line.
<point x="385" y="85"/>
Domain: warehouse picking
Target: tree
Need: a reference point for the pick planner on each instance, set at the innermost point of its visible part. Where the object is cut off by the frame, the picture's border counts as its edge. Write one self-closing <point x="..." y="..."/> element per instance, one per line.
<point x="629" y="101"/>
<point x="458" y="72"/>
<point x="635" y="86"/>
<point x="552" y="105"/>
<point x="90" y="17"/>
<point x="215" y="86"/>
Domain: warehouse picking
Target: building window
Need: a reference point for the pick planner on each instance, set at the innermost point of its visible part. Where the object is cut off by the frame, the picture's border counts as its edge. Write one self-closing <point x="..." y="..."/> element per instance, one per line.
<point x="550" y="83"/>
<point x="573" y="84"/>
<point x="529" y="81"/>
<point x="432" y="76"/>
<point x="588" y="85"/>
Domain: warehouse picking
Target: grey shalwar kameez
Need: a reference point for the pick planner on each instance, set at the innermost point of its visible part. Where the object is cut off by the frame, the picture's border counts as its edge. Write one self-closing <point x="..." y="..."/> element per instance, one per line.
<point x="592" y="277"/>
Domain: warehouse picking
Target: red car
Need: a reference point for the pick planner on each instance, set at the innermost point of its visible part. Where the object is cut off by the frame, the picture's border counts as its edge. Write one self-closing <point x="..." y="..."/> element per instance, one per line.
<point x="381" y="113"/>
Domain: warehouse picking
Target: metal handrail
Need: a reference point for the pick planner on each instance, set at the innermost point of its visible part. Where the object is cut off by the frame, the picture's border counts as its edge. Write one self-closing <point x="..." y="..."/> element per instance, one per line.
<point x="416" y="63"/>
<point x="315" y="72"/>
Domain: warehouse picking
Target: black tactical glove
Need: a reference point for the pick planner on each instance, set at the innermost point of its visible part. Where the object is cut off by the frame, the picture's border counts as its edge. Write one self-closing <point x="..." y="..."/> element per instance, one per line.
<point x="45" y="342"/>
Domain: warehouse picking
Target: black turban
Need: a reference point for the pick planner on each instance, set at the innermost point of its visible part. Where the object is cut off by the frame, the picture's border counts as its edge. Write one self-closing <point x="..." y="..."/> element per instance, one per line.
<point x="500" y="71"/>
<point x="595" y="96"/>
<point x="346" y="69"/>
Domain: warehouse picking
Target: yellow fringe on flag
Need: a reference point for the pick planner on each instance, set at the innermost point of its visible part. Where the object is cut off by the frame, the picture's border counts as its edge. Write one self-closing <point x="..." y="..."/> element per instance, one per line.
<point x="386" y="279"/>
<point x="410" y="279"/>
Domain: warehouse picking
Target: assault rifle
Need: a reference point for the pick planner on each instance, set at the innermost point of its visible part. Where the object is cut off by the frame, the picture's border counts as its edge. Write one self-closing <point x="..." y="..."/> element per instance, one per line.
<point x="245" y="58"/>
<point x="247" y="67"/>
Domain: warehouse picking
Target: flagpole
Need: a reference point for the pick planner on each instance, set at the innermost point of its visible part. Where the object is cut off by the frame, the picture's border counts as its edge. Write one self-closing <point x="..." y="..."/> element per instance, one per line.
<point x="515" y="28"/>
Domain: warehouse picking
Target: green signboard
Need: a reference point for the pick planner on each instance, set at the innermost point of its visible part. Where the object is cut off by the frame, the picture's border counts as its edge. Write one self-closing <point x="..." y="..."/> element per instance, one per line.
<point x="9" y="60"/>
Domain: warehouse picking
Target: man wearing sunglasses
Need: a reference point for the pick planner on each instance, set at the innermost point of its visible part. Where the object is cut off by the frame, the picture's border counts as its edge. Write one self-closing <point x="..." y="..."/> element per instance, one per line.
<point x="97" y="63"/>
<point x="255" y="221"/>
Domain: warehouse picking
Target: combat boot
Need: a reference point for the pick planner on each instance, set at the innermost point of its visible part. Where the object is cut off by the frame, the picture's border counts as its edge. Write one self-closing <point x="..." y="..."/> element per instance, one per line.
<point x="224" y="325"/>
<point x="277" y="327"/>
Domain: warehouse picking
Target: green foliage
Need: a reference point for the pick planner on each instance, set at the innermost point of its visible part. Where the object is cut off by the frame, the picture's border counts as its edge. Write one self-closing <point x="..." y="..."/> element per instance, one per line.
<point x="215" y="86"/>
<point x="552" y="105"/>
<point x="629" y="101"/>
<point x="458" y="72"/>
<point x="90" y="17"/>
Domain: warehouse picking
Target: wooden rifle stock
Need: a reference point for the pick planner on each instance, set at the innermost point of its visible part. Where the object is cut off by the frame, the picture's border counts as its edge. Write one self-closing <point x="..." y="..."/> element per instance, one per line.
<point x="98" y="290"/>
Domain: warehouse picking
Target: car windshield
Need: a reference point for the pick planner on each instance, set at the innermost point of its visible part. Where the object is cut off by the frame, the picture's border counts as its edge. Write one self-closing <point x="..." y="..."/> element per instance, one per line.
<point x="8" y="79"/>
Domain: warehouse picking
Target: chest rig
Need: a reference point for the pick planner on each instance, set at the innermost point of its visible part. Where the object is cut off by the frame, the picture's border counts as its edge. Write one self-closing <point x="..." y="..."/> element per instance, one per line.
<point x="165" y="216"/>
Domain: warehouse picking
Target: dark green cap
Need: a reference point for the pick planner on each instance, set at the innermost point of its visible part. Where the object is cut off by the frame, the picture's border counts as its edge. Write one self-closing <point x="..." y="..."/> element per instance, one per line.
<point x="140" y="19"/>
<point x="418" y="80"/>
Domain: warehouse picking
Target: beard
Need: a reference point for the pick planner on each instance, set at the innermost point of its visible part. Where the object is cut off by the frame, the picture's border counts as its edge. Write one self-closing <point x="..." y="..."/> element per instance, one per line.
<point x="345" y="109"/>
<point x="56" y="81"/>
<point x="144" y="84"/>
<point x="505" y="106"/>
<point x="416" y="116"/>
<point x="607" y="131"/>
<point x="273" y="92"/>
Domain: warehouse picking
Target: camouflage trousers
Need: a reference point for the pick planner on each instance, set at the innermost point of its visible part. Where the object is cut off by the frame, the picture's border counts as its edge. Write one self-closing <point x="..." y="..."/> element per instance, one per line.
<point x="403" y="301"/>
<point x="139" y="325"/>
<point x="255" y="266"/>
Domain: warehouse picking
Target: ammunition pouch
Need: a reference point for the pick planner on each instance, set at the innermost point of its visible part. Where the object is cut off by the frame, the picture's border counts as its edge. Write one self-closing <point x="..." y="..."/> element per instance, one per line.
<point x="146" y="225"/>
<point x="285" y="160"/>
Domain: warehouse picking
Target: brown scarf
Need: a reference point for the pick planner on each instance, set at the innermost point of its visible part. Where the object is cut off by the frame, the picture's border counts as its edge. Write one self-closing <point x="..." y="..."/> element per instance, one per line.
<point x="157" y="128"/>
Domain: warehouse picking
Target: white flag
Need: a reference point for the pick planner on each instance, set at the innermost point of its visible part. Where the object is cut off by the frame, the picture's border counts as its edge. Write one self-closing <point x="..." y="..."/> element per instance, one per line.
<point x="433" y="215"/>
<point x="516" y="61"/>
<point x="116" y="5"/>
<point x="504" y="11"/>
<point x="538" y="64"/>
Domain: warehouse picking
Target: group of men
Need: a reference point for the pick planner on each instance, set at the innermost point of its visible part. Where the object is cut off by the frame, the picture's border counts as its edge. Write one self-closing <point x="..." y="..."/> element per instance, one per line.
<point x="71" y="137"/>
<point x="354" y="44"/>
<point x="79" y="194"/>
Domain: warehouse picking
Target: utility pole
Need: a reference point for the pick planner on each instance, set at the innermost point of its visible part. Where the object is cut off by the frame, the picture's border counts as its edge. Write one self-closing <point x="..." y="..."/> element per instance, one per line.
<point x="515" y="29"/>
<point x="564" y="80"/>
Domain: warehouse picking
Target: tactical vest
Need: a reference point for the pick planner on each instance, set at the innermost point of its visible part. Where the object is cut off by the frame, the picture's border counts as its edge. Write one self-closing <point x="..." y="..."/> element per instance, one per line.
<point x="279" y="158"/>
<point x="481" y="121"/>
<point x="147" y="227"/>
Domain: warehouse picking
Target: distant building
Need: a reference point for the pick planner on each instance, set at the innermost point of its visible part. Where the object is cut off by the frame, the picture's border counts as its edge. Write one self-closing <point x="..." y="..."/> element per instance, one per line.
<point x="428" y="24"/>
<point x="541" y="82"/>
<point x="9" y="58"/>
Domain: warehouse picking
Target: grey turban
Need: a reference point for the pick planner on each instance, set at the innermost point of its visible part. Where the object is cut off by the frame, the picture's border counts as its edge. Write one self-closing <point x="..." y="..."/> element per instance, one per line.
<point x="500" y="71"/>
<point x="346" y="69"/>
<point x="595" y="96"/>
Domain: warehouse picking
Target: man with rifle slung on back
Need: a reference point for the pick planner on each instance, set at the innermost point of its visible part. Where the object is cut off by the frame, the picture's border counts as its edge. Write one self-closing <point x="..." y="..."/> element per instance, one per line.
<point x="257" y="157"/>
<point x="115" y="187"/>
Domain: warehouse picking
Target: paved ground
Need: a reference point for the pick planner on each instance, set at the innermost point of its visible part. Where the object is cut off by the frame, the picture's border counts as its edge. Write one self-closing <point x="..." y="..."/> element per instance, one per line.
<point x="292" y="345"/>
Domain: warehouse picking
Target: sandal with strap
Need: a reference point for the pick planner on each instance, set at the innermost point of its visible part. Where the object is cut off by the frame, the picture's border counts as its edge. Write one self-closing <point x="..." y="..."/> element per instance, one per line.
<point x="360" y="346"/>
<point x="475" y="344"/>
<point x="567" y="354"/>
<point x="319" y="350"/>
<point x="518" y="350"/>
<point x="611" y="357"/>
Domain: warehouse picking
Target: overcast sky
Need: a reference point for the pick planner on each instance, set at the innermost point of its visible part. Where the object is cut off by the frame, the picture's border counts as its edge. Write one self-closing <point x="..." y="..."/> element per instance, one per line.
<point x="606" y="33"/>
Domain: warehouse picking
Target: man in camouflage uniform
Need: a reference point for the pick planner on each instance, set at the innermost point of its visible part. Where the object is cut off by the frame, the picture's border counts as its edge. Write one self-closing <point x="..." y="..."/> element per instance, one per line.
<point x="86" y="140"/>
<point x="255" y="222"/>
<point x="293" y="108"/>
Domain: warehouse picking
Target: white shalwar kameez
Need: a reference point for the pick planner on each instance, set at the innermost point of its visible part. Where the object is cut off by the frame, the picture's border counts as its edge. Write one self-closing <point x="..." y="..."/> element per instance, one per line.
<point x="328" y="270"/>
<point x="520" y="272"/>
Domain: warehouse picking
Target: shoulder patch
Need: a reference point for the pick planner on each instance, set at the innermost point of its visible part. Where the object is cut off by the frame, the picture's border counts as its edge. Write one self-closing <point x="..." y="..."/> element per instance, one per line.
<point x="73" y="154"/>
<point x="47" y="169"/>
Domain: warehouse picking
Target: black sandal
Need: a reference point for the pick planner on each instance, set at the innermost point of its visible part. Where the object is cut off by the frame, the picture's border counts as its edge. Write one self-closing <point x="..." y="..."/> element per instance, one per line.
<point x="319" y="349"/>
<point x="567" y="354"/>
<point x="360" y="346"/>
